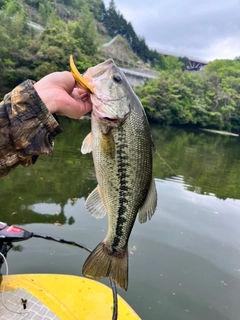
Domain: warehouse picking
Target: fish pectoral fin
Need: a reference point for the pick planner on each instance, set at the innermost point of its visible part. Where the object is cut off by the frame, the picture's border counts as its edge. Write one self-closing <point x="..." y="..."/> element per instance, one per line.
<point x="148" y="208"/>
<point x="94" y="204"/>
<point x="87" y="144"/>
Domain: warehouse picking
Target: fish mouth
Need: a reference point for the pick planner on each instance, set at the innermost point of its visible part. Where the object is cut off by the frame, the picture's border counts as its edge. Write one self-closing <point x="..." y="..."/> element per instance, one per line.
<point x="112" y="122"/>
<point x="106" y="118"/>
<point x="111" y="119"/>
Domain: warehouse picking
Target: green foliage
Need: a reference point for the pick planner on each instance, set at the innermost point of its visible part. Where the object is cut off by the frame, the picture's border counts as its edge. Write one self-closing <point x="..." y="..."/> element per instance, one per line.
<point x="14" y="34"/>
<point x="2" y="3"/>
<point x="13" y="7"/>
<point x="173" y="63"/>
<point x="29" y="53"/>
<point x="176" y="97"/>
<point x="33" y="3"/>
<point x="185" y="63"/>
<point x="211" y="99"/>
<point x="85" y="29"/>
<point x="224" y="68"/>
<point x="45" y="10"/>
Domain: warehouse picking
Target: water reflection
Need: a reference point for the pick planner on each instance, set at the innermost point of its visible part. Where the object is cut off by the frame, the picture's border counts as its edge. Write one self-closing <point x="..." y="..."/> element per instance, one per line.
<point x="44" y="208"/>
<point x="208" y="163"/>
<point x="186" y="260"/>
<point x="204" y="163"/>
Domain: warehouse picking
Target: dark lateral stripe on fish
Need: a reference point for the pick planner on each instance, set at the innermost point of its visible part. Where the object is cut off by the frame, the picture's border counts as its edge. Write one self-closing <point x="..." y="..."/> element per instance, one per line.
<point x="123" y="189"/>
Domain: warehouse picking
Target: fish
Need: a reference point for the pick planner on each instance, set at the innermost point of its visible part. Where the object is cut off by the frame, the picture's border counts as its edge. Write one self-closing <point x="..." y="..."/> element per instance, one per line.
<point x="122" y="150"/>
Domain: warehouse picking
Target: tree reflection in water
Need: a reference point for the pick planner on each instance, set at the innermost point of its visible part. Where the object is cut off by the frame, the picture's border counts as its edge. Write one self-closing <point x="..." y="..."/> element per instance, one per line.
<point x="205" y="163"/>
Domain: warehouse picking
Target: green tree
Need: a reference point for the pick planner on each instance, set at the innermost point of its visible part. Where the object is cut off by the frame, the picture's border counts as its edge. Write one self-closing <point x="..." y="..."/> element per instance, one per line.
<point x="183" y="98"/>
<point x="87" y="31"/>
<point x="173" y="63"/>
<point x="185" y="63"/>
<point x="2" y="3"/>
<point x="44" y="10"/>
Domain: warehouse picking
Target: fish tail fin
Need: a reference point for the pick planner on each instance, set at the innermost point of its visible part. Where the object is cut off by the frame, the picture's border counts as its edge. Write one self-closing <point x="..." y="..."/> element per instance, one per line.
<point x="101" y="264"/>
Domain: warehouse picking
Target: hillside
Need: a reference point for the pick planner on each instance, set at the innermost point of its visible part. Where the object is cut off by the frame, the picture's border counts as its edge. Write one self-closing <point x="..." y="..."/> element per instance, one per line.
<point x="120" y="50"/>
<point x="92" y="33"/>
<point x="78" y="27"/>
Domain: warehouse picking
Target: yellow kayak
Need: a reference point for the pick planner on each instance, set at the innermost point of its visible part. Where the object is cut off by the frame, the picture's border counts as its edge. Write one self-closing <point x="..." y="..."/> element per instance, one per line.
<point x="55" y="296"/>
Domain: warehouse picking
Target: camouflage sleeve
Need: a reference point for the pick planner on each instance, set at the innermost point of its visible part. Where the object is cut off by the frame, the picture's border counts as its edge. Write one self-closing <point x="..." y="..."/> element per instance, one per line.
<point x="27" y="128"/>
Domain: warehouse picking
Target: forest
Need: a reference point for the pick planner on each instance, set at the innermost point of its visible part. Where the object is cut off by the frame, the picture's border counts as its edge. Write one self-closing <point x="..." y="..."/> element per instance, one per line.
<point x="210" y="98"/>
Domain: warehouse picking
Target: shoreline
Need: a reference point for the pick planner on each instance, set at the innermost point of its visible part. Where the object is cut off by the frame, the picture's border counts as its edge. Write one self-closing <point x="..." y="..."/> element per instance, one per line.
<point x="221" y="132"/>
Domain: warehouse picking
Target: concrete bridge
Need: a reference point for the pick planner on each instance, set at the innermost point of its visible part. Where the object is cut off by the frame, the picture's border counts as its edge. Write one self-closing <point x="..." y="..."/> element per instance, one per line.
<point x="194" y="64"/>
<point x="136" y="78"/>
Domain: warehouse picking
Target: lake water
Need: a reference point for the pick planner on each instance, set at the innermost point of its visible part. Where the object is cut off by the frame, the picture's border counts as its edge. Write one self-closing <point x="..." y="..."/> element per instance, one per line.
<point x="184" y="263"/>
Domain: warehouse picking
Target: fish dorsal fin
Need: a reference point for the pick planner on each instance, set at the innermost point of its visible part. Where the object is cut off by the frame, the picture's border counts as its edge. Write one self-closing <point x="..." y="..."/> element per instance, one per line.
<point x="94" y="204"/>
<point x="87" y="144"/>
<point x="148" y="208"/>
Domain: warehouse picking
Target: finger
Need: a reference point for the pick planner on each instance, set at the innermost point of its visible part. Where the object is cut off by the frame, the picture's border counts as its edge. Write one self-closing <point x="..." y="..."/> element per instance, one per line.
<point x="80" y="94"/>
<point x="85" y="97"/>
<point x="76" y="108"/>
<point x="80" y="90"/>
<point x="66" y="81"/>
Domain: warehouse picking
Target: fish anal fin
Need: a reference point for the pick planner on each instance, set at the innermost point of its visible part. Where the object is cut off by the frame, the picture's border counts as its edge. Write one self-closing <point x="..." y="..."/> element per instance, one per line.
<point x="87" y="144"/>
<point x="148" y="208"/>
<point x="94" y="204"/>
<point x="101" y="263"/>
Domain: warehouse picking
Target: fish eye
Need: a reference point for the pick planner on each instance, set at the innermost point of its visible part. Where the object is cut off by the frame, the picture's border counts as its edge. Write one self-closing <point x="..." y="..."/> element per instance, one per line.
<point x="117" y="78"/>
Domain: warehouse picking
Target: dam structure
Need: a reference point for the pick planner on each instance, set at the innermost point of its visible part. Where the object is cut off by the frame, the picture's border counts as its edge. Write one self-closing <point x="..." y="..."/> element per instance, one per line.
<point x="136" y="78"/>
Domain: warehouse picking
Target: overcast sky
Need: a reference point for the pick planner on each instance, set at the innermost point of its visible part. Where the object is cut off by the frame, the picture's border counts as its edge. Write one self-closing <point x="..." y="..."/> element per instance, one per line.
<point x="204" y="29"/>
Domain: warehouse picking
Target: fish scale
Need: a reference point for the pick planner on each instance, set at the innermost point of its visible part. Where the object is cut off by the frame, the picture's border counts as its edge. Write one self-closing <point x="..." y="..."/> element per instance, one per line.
<point x="126" y="199"/>
<point x="121" y="144"/>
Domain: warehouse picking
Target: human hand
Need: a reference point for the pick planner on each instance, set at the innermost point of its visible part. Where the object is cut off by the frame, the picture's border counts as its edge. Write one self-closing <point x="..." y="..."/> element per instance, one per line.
<point x="57" y="91"/>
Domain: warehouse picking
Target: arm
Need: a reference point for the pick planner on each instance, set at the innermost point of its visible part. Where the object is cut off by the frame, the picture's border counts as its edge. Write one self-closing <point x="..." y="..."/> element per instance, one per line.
<point x="27" y="126"/>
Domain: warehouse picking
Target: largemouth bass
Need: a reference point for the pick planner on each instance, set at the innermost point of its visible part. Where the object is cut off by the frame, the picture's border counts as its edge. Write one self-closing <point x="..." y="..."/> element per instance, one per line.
<point x="121" y="146"/>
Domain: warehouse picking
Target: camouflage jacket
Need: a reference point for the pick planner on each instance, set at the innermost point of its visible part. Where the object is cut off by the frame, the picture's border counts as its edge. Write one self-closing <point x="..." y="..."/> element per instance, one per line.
<point x="27" y="128"/>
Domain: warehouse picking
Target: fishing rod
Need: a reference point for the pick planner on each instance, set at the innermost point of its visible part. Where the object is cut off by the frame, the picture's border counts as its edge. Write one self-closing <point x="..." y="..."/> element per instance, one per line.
<point x="10" y="234"/>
